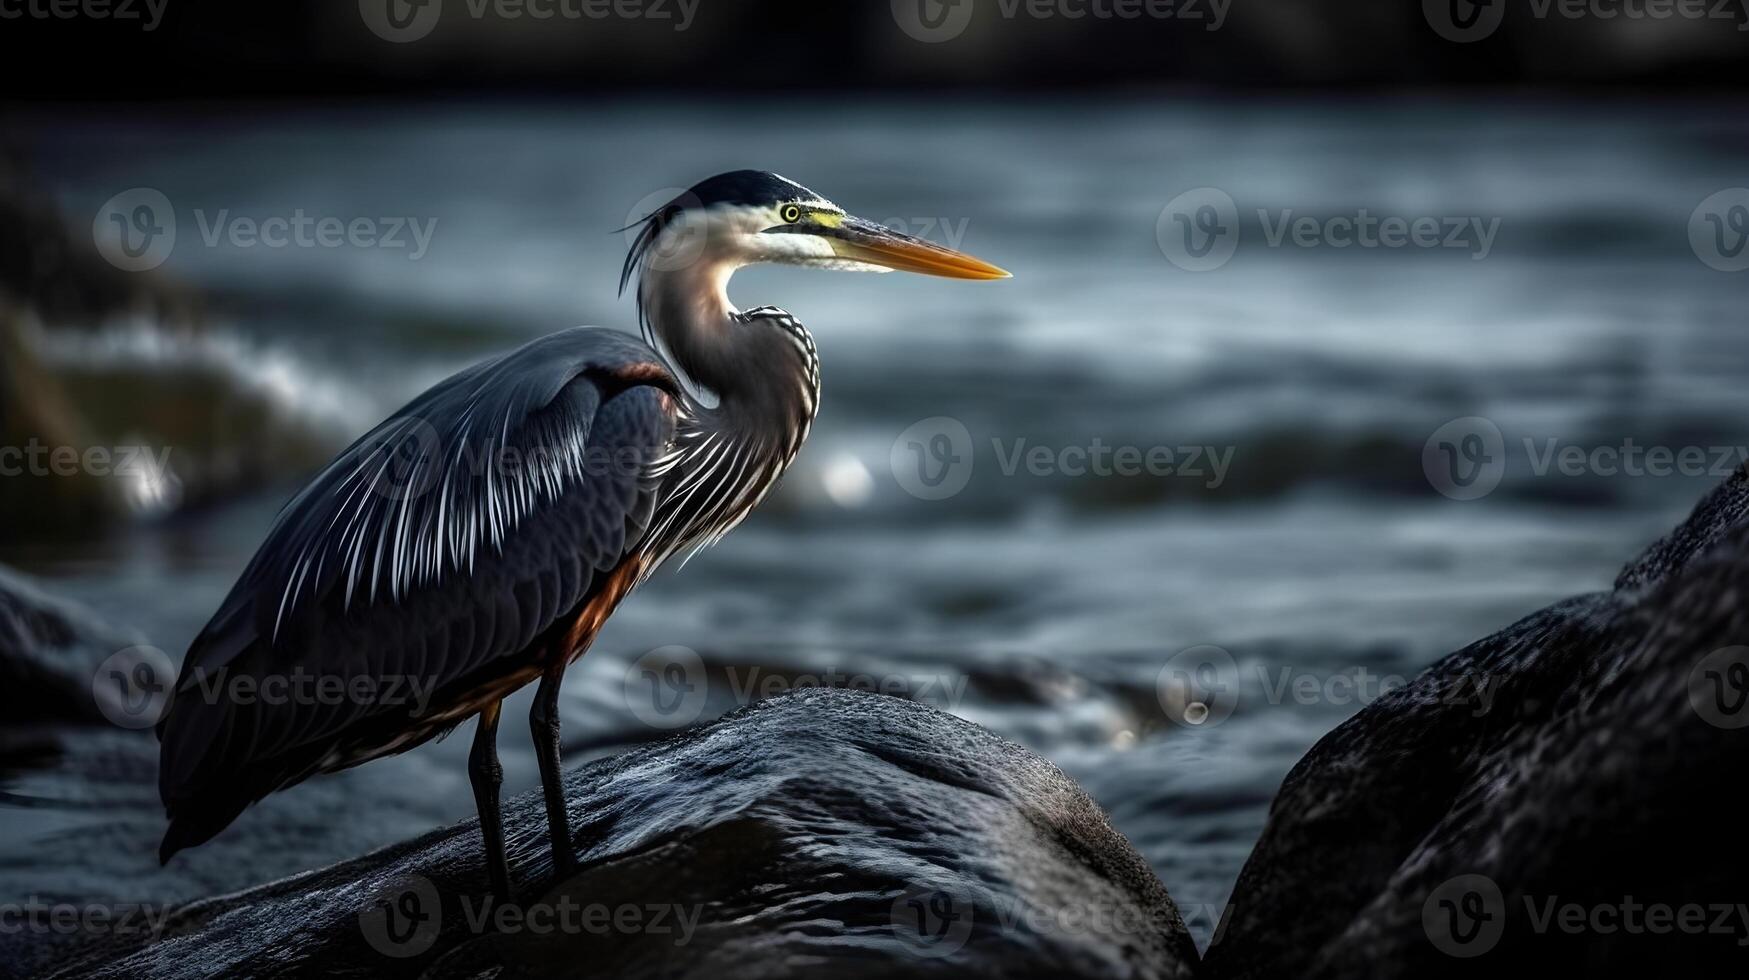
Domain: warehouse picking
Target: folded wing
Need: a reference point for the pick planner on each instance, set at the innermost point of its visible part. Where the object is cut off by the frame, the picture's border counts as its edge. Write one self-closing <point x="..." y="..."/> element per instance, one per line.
<point x="417" y="566"/>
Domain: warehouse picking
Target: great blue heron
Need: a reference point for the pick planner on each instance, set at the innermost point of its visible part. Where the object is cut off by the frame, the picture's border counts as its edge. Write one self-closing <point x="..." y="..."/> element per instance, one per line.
<point x="478" y="539"/>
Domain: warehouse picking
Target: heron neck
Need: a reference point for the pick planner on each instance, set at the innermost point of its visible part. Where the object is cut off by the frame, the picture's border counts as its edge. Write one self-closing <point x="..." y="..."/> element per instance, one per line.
<point x="754" y="370"/>
<point x="687" y="308"/>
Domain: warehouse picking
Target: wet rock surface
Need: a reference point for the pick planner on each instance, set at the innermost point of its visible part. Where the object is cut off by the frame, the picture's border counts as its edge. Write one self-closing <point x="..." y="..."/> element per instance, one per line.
<point x="1553" y="796"/>
<point x="50" y="650"/>
<point x="1556" y="796"/>
<point x="820" y="833"/>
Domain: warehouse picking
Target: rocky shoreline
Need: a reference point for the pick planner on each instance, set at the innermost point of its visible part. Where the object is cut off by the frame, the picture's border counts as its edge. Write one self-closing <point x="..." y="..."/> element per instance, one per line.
<point x="97" y="441"/>
<point x="1574" y="819"/>
<point x="1574" y="823"/>
<point x="821" y="830"/>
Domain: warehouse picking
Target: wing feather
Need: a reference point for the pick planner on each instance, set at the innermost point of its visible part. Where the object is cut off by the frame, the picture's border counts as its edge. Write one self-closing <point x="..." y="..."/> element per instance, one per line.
<point x="452" y="536"/>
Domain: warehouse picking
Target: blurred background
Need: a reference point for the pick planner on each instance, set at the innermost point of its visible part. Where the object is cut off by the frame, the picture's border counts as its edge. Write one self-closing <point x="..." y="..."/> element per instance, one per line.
<point x="1367" y="439"/>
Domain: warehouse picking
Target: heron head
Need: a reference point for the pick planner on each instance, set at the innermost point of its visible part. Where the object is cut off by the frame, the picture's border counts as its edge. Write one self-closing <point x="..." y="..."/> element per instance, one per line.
<point x="747" y="217"/>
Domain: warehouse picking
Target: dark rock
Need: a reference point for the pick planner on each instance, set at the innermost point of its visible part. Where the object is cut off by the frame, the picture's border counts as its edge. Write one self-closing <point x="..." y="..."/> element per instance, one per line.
<point x="177" y="426"/>
<point x="50" y="264"/>
<point x="823" y="833"/>
<point x="36" y="409"/>
<point x="1580" y="758"/>
<point x="50" y="651"/>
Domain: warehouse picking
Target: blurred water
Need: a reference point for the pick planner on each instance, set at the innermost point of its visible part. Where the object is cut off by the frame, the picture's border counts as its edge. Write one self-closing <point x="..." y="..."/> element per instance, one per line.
<point x="1043" y="606"/>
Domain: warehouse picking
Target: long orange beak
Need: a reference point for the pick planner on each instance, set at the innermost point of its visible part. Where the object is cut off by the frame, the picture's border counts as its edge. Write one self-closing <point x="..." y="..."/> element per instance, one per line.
<point x="876" y="244"/>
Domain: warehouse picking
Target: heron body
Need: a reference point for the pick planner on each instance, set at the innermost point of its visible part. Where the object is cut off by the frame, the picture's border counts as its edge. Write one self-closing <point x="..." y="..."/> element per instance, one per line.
<point x="476" y="541"/>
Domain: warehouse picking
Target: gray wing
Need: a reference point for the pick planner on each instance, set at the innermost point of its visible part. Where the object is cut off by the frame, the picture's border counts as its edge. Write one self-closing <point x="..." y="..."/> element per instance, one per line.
<point x="444" y="541"/>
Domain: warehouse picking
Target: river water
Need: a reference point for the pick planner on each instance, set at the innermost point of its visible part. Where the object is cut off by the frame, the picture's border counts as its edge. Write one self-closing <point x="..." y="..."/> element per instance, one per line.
<point x="1295" y="388"/>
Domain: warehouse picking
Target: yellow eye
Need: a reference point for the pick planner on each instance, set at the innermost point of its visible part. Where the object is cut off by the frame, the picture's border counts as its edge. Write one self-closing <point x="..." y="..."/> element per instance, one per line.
<point x="790" y="214"/>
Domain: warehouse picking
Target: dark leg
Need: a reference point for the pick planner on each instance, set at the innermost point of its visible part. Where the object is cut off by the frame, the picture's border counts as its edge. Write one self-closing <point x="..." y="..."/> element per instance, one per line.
<point x="486" y="775"/>
<point x="543" y="720"/>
